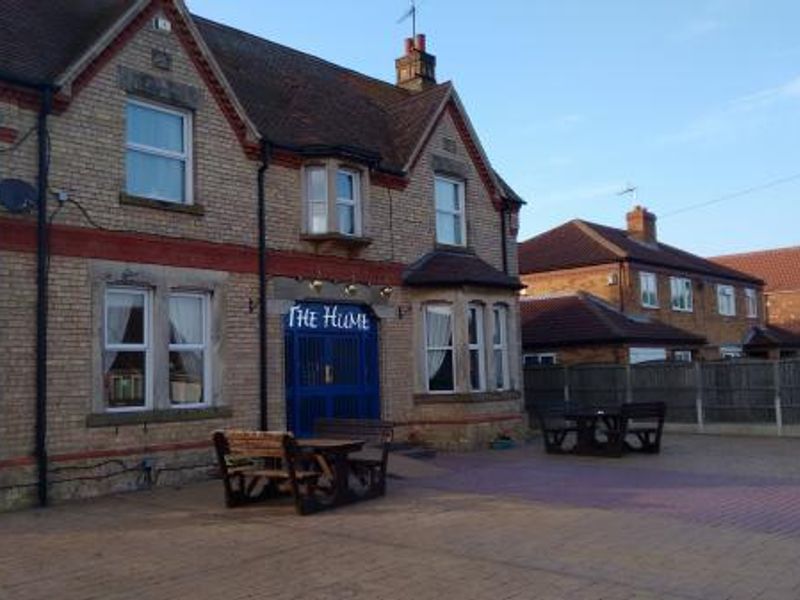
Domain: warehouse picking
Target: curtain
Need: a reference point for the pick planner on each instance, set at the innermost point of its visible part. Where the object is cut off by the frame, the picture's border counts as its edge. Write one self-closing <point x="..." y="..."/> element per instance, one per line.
<point x="185" y="320"/>
<point x="439" y="334"/>
<point x="124" y="318"/>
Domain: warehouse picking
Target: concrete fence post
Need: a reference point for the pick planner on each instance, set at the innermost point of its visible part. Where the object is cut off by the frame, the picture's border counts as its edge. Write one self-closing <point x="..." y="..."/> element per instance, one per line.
<point x="778" y="408"/>
<point x="698" y="402"/>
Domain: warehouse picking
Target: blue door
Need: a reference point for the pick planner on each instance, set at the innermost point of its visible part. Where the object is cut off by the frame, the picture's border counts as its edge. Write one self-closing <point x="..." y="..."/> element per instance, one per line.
<point x="331" y="354"/>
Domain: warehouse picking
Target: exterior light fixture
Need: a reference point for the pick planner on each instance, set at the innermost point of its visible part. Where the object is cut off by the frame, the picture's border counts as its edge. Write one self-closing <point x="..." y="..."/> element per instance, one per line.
<point x="315" y="286"/>
<point x="350" y="289"/>
<point x="386" y="291"/>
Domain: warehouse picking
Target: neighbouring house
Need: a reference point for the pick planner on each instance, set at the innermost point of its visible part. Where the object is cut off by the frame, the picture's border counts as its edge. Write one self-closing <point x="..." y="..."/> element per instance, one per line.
<point x="648" y="282"/>
<point x="204" y="229"/>
<point x="581" y="328"/>
<point x="779" y="268"/>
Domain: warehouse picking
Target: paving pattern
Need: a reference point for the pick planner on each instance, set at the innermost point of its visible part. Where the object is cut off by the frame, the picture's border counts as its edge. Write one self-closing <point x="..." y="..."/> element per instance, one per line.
<point x="710" y="518"/>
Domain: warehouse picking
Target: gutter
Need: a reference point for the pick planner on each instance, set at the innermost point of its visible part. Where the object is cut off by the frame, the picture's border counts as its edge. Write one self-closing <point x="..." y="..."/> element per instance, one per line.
<point x="262" y="287"/>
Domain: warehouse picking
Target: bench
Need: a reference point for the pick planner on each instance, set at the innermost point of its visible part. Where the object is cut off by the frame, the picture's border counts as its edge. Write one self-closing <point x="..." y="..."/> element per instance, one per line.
<point x="369" y="465"/>
<point x="644" y="421"/>
<point x="249" y="458"/>
<point x="555" y="429"/>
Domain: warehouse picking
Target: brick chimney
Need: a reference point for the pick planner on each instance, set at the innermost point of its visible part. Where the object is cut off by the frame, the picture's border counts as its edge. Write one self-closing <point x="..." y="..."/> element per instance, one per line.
<point x="416" y="70"/>
<point x="642" y="225"/>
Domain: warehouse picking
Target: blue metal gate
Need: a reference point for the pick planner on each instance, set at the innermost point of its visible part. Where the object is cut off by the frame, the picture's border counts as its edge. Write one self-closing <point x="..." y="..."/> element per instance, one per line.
<point x="331" y="355"/>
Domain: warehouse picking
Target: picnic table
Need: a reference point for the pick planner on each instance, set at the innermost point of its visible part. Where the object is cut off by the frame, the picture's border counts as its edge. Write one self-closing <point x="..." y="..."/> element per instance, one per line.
<point x="332" y="457"/>
<point x="586" y="424"/>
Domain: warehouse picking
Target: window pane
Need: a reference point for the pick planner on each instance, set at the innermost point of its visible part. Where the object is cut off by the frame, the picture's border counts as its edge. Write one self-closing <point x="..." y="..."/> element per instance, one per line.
<point x="447" y="196"/>
<point x="440" y="370"/>
<point x="124" y="318"/>
<point x="475" y="369"/>
<point x="155" y="128"/>
<point x="346" y="218"/>
<point x="317" y="184"/>
<point x="345" y="185"/>
<point x="319" y="217"/>
<point x="186" y="377"/>
<point x="499" y="369"/>
<point x="472" y="325"/>
<point x="498" y="324"/>
<point x="439" y="332"/>
<point x="448" y="228"/>
<point x="156" y="177"/>
<point x="186" y="320"/>
<point x="124" y="379"/>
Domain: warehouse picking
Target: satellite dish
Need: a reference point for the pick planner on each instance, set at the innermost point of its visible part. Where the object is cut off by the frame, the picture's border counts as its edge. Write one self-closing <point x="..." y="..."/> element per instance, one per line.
<point x="17" y="196"/>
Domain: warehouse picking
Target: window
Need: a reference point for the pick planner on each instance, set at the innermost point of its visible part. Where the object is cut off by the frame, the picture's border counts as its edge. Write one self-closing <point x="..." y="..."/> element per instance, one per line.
<point x="477" y="369"/>
<point x="726" y="301"/>
<point x="450" y="226"/>
<point x="440" y="366"/>
<point x="317" y="193"/>
<point x="347" y="187"/>
<point x="681" y="289"/>
<point x="752" y="303"/>
<point x="500" y="347"/>
<point x="641" y="355"/>
<point x="541" y="358"/>
<point x="188" y="349"/>
<point x="126" y="349"/>
<point x="158" y="153"/>
<point x="649" y="289"/>
<point x="333" y="210"/>
<point x="730" y="352"/>
<point x="682" y="355"/>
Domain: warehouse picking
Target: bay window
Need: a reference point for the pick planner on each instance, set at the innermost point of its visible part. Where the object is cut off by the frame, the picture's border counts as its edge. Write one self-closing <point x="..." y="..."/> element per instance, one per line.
<point x="449" y="200"/>
<point x="336" y="210"/>
<point x="477" y="370"/>
<point x="439" y="356"/>
<point x="158" y="152"/>
<point x="500" y="347"/>
<point x="317" y="196"/>
<point x="127" y="372"/>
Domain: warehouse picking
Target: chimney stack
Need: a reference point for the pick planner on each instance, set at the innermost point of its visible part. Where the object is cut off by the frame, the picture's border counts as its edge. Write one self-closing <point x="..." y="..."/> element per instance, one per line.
<point x="642" y="225"/>
<point x="416" y="70"/>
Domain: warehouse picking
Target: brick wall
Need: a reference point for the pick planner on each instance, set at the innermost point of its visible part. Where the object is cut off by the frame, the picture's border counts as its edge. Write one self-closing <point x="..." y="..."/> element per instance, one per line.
<point x="783" y="308"/>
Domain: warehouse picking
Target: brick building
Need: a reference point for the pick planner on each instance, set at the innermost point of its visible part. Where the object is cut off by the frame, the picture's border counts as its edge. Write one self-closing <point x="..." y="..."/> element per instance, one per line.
<point x="648" y="281"/>
<point x="140" y="147"/>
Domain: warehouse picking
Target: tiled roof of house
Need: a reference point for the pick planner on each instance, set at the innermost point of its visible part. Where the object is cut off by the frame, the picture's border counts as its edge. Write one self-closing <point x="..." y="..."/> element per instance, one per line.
<point x="39" y="39"/>
<point x="582" y="319"/>
<point x="779" y="268"/>
<point x="447" y="268"/>
<point x="772" y="337"/>
<point x="581" y="243"/>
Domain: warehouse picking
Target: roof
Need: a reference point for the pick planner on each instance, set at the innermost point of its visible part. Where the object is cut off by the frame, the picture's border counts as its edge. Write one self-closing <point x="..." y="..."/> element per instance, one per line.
<point x="62" y="32"/>
<point x="582" y="319"/>
<point x="779" y="268"/>
<point x="772" y="337"/>
<point x="449" y="268"/>
<point x="580" y="243"/>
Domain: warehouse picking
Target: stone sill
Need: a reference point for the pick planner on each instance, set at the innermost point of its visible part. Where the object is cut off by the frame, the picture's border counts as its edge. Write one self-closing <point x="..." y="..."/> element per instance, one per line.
<point x="467" y="397"/>
<point x="348" y="241"/>
<point x="146" y="417"/>
<point x="197" y="210"/>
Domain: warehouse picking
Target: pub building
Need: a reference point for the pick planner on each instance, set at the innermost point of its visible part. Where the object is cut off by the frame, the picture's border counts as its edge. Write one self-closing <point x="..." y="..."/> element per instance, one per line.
<point x="238" y="234"/>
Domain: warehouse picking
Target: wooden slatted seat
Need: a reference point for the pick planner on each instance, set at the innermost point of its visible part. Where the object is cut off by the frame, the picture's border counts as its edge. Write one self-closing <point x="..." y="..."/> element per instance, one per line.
<point x="555" y="429"/>
<point x="248" y="459"/>
<point x="370" y="464"/>
<point x="645" y="422"/>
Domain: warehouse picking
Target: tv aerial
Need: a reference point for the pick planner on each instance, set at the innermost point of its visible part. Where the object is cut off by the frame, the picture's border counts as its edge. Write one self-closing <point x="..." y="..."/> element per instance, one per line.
<point x="630" y="190"/>
<point x="411" y="12"/>
<point x="17" y="196"/>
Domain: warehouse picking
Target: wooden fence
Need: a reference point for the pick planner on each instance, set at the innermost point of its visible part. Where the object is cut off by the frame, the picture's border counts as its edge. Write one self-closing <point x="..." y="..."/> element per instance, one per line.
<point x="701" y="394"/>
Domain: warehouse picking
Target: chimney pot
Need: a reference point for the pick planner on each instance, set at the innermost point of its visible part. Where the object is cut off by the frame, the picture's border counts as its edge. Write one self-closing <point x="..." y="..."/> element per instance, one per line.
<point x="409" y="45"/>
<point x="642" y="225"/>
<point x="419" y="42"/>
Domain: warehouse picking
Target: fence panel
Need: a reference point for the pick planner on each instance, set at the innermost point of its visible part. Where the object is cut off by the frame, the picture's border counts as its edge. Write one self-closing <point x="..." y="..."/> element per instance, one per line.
<point x="544" y="386"/>
<point x="789" y="371"/>
<point x="740" y="391"/>
<point x="672" y="383"/>
<point x="597" y="385"/>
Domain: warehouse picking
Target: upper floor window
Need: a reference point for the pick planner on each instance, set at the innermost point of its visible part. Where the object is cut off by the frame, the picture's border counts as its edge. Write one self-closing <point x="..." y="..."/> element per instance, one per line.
<point x="500" y="347"/>
<point x="344" y="204"/>
<point x="450" y="223"/>
<point x="681" y="289"/>
<point x="477" y="370"/>
<point x="127" y="372"/>
<point x="439" y="357"/>
<point x="649" y="289"/>
<point x="752" y="303"/>
<point x="726" y="300"/>
<point x="158" y="152"/>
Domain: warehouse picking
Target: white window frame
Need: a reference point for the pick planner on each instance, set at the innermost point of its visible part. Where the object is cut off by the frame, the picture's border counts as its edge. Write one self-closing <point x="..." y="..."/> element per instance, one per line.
<point x="647" y="278"/>
<point x="681" y="294"/>
<point x="204" y="347"/>
<point x="726" y="294"/>
<point x="500" y="345"/>
<point x="310" y="202"/>
<point x="730" y="352"/>
<point x="751" y="303"/>
<point x="682" y="355"/>
<point x="451" y="348"/>
<point x="478" y="346"/>
<point x="186" y="156"/>
<point x="535" y="359"/>
<point x="145" y="346"/>
<point x="644" y="354"/>
<point x="355" y="201"/>
<point x="460" y="214"/>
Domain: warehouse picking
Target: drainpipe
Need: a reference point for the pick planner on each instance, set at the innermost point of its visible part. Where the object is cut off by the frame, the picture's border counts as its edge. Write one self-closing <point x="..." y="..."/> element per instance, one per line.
<point x="42" y="258"/>
<point x="262" y="288"/>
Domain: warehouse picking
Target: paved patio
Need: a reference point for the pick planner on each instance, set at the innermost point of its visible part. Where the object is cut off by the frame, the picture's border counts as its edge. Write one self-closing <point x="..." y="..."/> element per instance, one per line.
<point x="710" y="518"/>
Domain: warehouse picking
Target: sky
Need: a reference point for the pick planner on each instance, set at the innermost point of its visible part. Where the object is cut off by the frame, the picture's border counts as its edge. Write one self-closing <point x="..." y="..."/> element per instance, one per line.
<point x="694" y="102"/>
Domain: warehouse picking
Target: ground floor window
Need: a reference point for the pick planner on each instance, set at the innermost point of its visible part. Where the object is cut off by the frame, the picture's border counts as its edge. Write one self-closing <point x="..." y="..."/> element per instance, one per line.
<point x="477" y="370"/>
<point x="127" y="374"/>
<point x="640" y="355"/>
<point x="540" y="358"/>
<point x="440" y="363"/>
<point x="188" y="352"/>
<point x="730" y="352"/>
<point x="500" y="347"/>
<point x="682" y="355"/>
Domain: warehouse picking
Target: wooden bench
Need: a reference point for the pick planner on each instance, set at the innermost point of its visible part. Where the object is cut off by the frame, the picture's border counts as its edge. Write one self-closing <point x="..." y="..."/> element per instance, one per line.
<point x="368" y="466"/>
<point x="555" y="429"/>
<point x="645" y="422"/>
<point x="248" y="459"/>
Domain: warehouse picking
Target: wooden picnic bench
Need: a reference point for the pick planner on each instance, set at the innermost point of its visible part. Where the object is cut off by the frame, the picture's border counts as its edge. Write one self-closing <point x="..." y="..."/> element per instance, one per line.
<point x="367" y="468"/>
<point x="256" y="464"/>
<point x="555" y="429"/>
<point x="643" y="421"/>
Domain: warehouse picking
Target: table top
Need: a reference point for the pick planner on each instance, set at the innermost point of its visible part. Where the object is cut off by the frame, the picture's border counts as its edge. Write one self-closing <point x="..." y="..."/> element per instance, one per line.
<point x="330" y="444"/>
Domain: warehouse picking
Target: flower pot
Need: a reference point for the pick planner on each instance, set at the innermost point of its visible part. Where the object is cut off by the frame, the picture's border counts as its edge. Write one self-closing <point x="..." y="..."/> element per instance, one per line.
<point x="502" y="444"/>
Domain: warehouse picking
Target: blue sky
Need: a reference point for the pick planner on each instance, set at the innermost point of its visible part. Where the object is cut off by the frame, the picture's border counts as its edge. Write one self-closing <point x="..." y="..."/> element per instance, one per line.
<point x="691" y="100"/>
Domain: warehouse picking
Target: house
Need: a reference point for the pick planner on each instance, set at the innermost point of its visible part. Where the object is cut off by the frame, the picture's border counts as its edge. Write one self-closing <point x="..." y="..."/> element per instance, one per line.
<point x="203" y="229"/>
<point x="780" y="270"/>
<point x="647" y="281"/>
